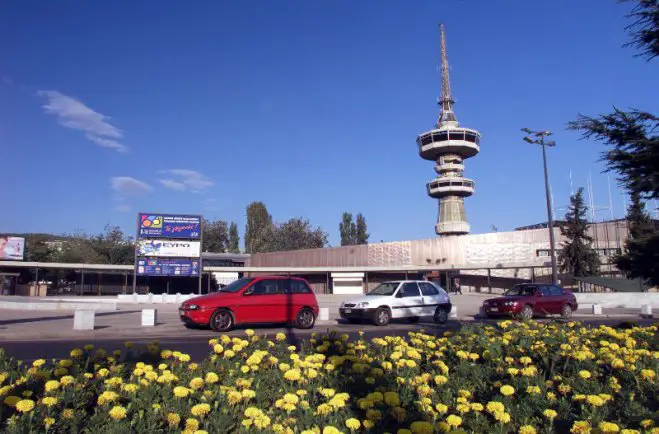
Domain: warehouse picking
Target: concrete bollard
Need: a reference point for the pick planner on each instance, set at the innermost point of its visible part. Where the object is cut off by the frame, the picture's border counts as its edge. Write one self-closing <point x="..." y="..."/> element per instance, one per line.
<point x="134" y="297"/>
<point x="597" y="309"/>
<point x="646" y="311"/>
<point x="83" y="319"/>
<point x="323" y="314"/>
<point x="149" y="317"/>
<point x="178" y="298"/>
<point x="454" y="312"/>
<point x="149" y="298"/>
<point x="163" y="298"/>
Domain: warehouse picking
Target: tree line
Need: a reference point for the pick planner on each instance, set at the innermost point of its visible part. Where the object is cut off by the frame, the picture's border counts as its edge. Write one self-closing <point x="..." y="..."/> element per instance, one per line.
<point x="632" y="152"/>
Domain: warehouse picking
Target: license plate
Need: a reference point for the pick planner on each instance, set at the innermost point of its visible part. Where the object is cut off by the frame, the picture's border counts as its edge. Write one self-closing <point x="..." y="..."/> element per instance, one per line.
<point x="494" y="309"/>
<point x="348" y="311"/>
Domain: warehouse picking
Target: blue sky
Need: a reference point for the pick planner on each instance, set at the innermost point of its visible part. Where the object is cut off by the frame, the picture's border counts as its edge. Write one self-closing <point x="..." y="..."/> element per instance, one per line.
<point x="109" y="108"/>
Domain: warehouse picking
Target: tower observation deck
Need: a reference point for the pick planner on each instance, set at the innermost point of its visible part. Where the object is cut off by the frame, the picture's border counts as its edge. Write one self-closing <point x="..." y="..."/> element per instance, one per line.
<point x="448" y="145"/>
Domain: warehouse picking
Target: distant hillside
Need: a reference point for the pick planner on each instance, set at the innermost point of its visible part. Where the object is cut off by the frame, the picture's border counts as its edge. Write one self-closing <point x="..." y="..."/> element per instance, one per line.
<point x="37" y="235"/>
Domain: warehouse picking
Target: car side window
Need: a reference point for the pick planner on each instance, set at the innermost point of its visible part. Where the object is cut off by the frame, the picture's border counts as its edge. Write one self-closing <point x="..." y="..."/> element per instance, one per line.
<point x="297" y="287"/>
<point x="545" y="291"/>
<point x="410" y="289"/>
<point x="555" y="290"/>
<point x="428" y="289"/>
<point x="267" y="287"/>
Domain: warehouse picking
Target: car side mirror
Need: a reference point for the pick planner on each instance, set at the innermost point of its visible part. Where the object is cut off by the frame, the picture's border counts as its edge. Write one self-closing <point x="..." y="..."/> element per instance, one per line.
<point x="248" y="291"/>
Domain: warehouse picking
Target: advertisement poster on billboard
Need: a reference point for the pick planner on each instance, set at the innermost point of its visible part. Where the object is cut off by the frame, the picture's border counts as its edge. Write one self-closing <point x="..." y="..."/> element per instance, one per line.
<point x="169" y="226"/>
<point x="169" y="248"/>
<point x="12" y="248"/>
<point x="168" y="267"/>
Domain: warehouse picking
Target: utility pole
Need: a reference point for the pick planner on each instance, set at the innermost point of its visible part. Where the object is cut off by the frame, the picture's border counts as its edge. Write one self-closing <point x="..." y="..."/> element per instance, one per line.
<point x="539" y="139"/>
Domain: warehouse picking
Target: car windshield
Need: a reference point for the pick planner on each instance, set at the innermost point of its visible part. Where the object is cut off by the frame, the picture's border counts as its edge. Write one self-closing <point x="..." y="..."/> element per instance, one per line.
<point x="387" y="288"/>
<point x="236" y="285"/>
<point x="521" y="291"/>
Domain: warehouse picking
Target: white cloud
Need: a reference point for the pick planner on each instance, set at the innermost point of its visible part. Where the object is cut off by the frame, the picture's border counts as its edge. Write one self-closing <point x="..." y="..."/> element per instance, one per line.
<point x="73" y="114"/>
<point x="129" y="185"/>
<point x="186" y="179"/>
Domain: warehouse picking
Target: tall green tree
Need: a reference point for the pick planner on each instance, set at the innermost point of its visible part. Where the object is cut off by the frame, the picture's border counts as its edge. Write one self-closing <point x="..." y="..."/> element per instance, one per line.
<point x="577" y="256"/>
<point x="216" y="236"/>
<point x="348" y="230"/>
<point x="234" y="238"/>
<point x="632" y="142"/>
<point x="641" y="256"/>
<point x="259" y="228"/>
<point x="296" y="234"/>
<point x="112" y="246"/>
<point x="362" y="231"/>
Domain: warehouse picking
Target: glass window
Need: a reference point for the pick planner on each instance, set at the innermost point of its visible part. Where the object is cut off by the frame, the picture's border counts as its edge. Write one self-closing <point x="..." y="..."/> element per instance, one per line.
<point x="470" y="137"/>
<point x="555" y="290"/>
<point x="545" y="290"/>
<point x="267" y="287"/>
<point x="440" y="137"/>
<point x="297" y="287"/>
<point x="386" y="288"/>
<point x="410" y="289"/>
<point x="428" y="289"/>
<point x="457" y="135"/>
<point x="426" y="140"/>
<point x="522" y="290"/>
<point x="237" y="285"/>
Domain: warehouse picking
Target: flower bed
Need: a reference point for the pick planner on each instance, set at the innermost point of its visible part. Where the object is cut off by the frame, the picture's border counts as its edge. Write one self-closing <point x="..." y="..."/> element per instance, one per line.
<point x="513" y="377"/>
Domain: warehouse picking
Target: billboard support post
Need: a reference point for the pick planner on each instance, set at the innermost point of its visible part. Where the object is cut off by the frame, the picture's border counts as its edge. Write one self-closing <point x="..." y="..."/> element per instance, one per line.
<point x="201" y="251"/>
<point x="137" y="235"/>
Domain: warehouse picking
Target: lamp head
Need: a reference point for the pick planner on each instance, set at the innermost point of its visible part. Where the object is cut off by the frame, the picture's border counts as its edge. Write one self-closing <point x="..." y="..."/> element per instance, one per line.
<point x="528" y="139"/>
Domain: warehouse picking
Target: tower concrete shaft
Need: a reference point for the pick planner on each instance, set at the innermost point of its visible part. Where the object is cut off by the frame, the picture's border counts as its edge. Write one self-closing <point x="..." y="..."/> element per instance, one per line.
<point x="448" y="145"/>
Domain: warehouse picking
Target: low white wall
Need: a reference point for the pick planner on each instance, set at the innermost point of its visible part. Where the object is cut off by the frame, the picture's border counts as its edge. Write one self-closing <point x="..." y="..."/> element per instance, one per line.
<point x="618" y="299"/>
<point x="154" y="298"/>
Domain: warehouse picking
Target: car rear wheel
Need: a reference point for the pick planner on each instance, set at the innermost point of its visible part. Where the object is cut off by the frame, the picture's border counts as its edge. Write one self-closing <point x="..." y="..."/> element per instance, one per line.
<point x="382" y="316"/>
<point x="566" y="311"/>
<point x="222" y="320"/>
<point x="527" y="313"/>
<point x="305" y="319"/>
<point x="440" y="316"/>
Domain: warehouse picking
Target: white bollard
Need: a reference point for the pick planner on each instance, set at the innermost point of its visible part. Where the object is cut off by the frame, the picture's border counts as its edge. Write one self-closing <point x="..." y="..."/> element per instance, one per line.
<point x="163" y="299"/>
<point x="149" y="298"/>
<point x="134" y="297"/>
<point x="178" y="298"/>
<point x="323" y="314"/>
<point x="646" y="311"/>
<point x="149" y="317"/>
<point x="597" y="309"/>
<point x="454" y="312"/>
<point x="83" y="319"/>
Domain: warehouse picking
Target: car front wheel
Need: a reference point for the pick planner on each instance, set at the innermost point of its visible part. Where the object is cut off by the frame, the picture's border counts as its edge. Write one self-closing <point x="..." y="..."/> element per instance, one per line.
<point x="382" y="316"/>
<point x="440" y="316"/>
<point x="222" y="320"/>
<point x="526" y="313"/>
<point x="305" y="319"/>
<point x="566" y="311"/>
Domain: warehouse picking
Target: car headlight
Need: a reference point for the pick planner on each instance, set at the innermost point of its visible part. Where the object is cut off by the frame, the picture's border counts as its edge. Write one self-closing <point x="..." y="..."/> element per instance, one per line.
<point x="193" y="307"/>
<point x="362" y="304"/>
<point x="510" y="303"/>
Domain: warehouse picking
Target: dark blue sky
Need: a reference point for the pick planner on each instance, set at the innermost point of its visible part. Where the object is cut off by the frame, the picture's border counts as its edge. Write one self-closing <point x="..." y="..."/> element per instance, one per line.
<point x="109" y="108"/>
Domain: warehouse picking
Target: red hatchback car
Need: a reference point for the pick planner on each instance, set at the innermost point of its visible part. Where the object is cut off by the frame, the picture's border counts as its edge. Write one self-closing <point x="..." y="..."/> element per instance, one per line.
<point x="530" y="299"/>
<point x="257" y="300"/>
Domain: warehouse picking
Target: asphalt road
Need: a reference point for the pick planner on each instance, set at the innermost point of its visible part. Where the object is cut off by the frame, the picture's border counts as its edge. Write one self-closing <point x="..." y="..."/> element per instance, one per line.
<point x="195" y="341"/>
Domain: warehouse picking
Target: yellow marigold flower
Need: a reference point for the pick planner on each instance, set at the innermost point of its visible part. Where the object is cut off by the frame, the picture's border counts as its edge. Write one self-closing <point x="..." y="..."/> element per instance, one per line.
<point x="67" y="413"/>
<point x="75" y="353"/>
<point x="280" y="337"/>
<point x="38" y="363"/>
<point x="525" y="360"/>
<point x="48" y="422"/>
<point x="234" y="397"/>
<point x="66" y="363"/>
<point x="117" y="412"/>
<point x="353" y="424"/>
<point x="368" y="424"/>
<point x="463" y="408"/>
<point x="392" y="399"/>
<point x="403" y="431"/>
<point x="196" y="383"/>
<point x="581" y="427"/>
<point x="647" y="423"/>
<point x="191" y="424"/>
<point x="648" y="374"/>
<point x="200" y="410"/>
<point x="454" y="421"/>
<point x="608" y="427"/>
<point x="595" y="400"/>
<point x="585" y="374"/>
<point x="550" y="414"/>
<point x="440" y="379"/>
<point x="507" y="390"/>
<point x="513" y="371"/>
<point x="533" y="390"/>
<point x="331" y="430"/>
<point x="630" y="431"/>
<point x="51" y="385"/>
<point x="293" y="375"/>
<point x="181" y="392"/>
<point x="527" y="429"/>
<point x="422" y="427"/>
<point x="49" y="401"/>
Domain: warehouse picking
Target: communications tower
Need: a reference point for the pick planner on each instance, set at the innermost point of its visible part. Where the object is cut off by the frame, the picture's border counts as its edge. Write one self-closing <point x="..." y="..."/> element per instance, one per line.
<point x="449" y="145"/>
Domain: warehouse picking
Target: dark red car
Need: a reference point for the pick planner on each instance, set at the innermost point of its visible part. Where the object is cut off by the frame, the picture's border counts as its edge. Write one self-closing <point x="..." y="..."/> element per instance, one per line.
<point x="256" y="300"/>
<point x="530" y="299"/>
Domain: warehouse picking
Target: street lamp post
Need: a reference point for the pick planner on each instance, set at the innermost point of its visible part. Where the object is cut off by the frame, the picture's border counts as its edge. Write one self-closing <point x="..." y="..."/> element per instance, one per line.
<point x="538" y="138"/>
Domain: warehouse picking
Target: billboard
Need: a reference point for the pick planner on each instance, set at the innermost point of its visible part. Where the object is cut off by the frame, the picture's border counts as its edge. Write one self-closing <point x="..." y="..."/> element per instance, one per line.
<point x="11" y="248"/>
<point x="169" y="226"/>
<point x="168" y="267"/>
<point x="169" y="248"/>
